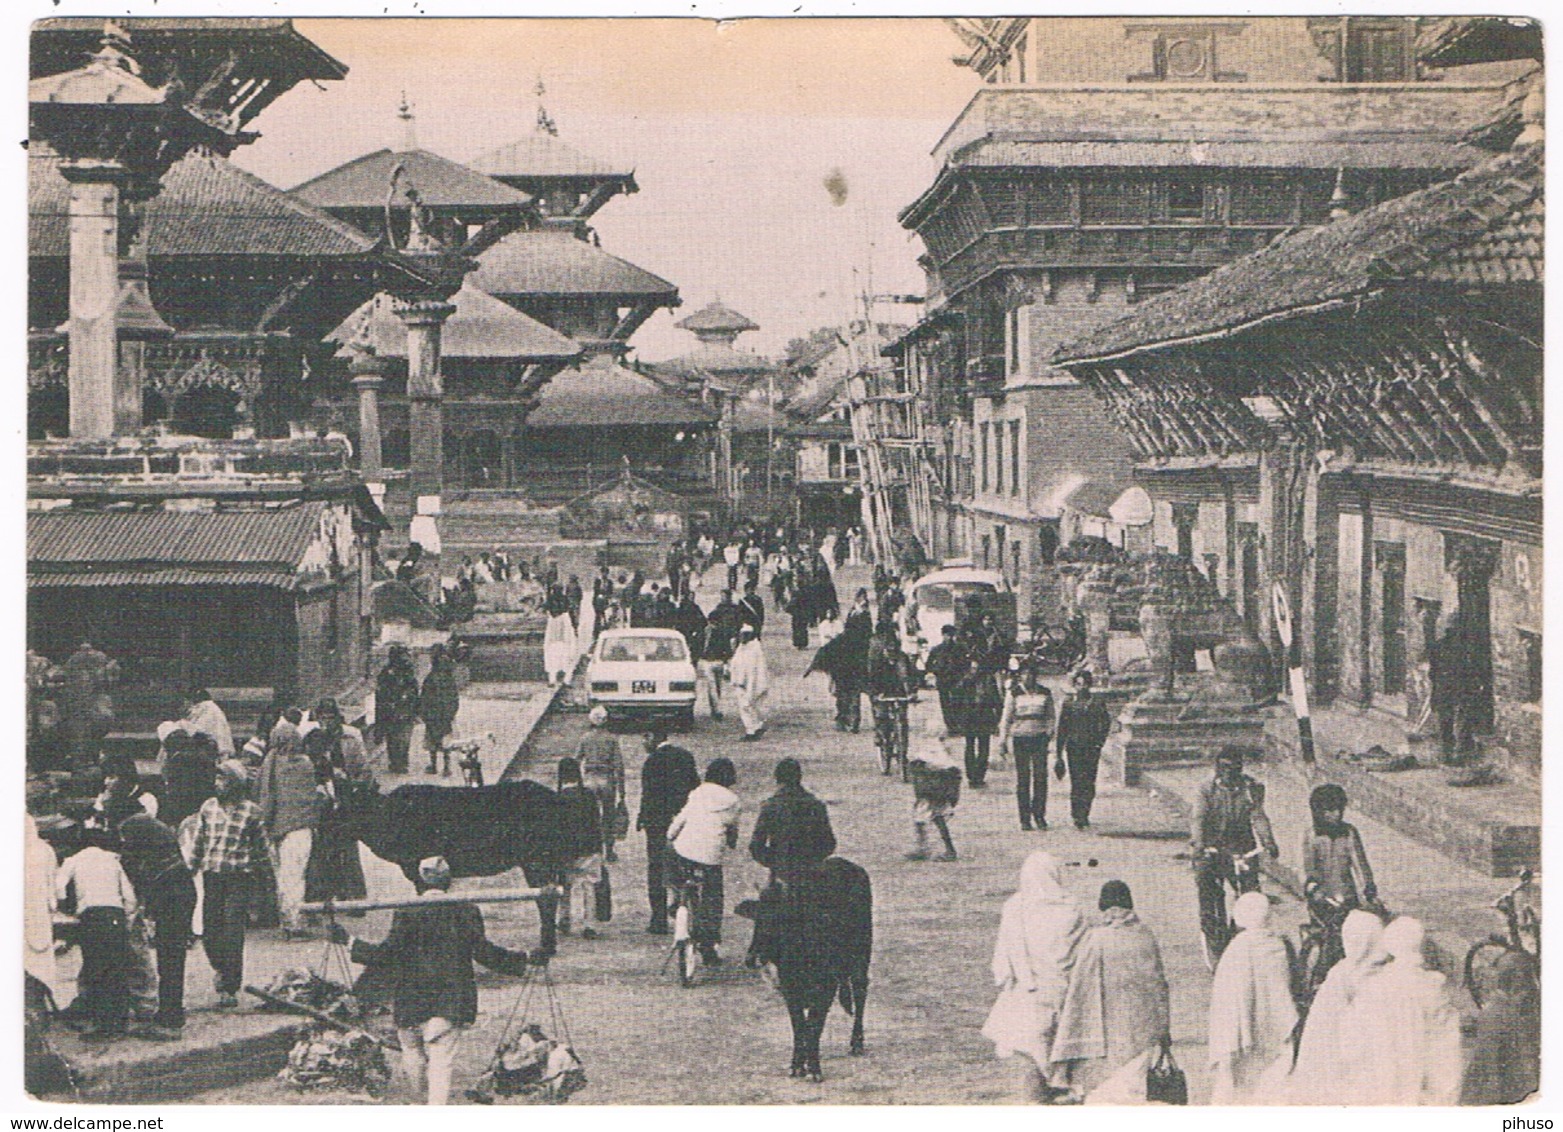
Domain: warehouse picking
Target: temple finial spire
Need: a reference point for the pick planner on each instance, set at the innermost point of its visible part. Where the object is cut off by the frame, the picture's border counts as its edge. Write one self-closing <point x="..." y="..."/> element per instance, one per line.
<point x="545" y="122"/>
<point x="409" y="125"/>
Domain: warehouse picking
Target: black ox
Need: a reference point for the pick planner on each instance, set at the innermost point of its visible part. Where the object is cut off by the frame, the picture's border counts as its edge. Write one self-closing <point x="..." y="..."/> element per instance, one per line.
<point x="480" y="831"/>
<point x="818" y="932"/>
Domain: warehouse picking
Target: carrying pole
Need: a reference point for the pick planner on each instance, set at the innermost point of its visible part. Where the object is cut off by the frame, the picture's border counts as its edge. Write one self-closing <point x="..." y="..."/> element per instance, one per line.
<point x="481" y="896"/>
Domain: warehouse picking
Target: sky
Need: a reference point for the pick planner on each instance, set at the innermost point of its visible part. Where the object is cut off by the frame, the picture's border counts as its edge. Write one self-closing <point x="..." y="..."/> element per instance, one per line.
<point x="733" y="129"/>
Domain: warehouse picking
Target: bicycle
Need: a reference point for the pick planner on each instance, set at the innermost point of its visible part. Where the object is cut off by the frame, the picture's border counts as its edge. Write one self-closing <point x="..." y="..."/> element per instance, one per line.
<point x="1521" y="940"/>
<point x="687" y="895"/>
<point x="1242" y="873"/>
<point x="1320" y="945"/>
<point x="892" y="732"/>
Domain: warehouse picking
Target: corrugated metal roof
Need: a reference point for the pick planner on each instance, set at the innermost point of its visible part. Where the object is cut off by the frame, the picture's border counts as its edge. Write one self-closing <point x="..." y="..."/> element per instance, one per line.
<point x="441" y="183"/>
<point x="208" y="206"/>
<point x="556" y="263"/>
<point x="1256" y="154"/>
<point x="603" y="392"/>
<point x="164" y="576"/>
<point x="261" y="544"/>
<point x="481" y="327"/>
<point x="1484" y="227"/>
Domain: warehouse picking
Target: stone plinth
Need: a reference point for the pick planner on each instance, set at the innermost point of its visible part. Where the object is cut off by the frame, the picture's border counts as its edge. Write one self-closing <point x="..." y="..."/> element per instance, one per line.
<point x="1188" y="727"/>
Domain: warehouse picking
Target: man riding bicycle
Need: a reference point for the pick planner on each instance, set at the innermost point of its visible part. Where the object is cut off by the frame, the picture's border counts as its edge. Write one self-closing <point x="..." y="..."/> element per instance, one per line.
<point x="1229" y="828"/>
<point x="1335" y="870"/>
<point x="890" y="683"/>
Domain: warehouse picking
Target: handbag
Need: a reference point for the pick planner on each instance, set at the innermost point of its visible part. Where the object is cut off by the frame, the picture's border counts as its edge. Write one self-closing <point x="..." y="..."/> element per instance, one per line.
<point x="1165" y="1083"/>
<point x="604" y="897"/>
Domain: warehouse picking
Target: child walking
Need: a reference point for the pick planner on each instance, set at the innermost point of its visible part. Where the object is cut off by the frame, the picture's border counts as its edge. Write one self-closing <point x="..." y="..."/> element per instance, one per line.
<point x="936" y="786"/>
<point x="104" y="901"/>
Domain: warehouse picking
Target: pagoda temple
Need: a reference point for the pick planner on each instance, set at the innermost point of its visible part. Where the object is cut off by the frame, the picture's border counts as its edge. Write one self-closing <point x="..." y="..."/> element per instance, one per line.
<point x="182" y="516"/>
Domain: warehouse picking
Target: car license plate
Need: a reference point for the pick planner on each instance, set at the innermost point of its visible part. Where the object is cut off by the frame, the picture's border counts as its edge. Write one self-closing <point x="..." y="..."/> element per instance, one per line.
<point x="643" y="687"/>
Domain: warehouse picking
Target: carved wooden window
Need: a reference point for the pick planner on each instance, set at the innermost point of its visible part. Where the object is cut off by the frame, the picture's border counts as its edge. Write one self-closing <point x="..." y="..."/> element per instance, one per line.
<point x="1047" y="202"/>
<point x="1378" y="52"/>
<point x="1263" y="198"/>
<point x="1185" y="201"/>
<point x="1114" y="201"/>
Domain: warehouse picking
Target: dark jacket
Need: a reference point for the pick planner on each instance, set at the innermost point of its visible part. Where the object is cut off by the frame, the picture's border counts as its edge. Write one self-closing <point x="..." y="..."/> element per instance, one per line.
<point x="580" y="833"/>
<point x="689" y="621"/>
<point x="888" y="668"/>
<point x="946" y="664"/>
<point x="751" y="607"/>
<point x="440" y="700"/>
<point x="793" y="830"/>
<point x="1231" y="818"/>
<point x="149" y="853"/>
<point x="844" y="658"/>
<point x="189" y="779"/>
<point x="1083" y="727"/>
<point x="428" y="957"/>
<point x="722" y="632"/>
<point x="396" y="695"/>
<point x="666" y="778"/>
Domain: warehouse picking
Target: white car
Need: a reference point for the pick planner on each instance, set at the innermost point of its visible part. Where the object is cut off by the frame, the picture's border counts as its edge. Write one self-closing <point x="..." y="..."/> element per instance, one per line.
<point x="933" y="595"/>
<point x="642" y="673"/>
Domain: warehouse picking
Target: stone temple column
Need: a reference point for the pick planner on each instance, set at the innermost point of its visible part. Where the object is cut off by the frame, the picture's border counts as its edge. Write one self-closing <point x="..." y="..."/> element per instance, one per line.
<point x="367" y="376"/>
<point x="425" y="396"/>
<point x="94" y="294"/>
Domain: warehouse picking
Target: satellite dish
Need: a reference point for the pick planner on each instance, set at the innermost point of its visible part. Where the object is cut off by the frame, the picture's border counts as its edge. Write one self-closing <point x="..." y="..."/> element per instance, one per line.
<point x="1283" y="613"/>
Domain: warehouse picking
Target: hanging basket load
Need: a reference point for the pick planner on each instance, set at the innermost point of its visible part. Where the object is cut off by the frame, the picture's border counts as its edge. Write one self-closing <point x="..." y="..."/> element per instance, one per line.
<point x="527" y="1062"/>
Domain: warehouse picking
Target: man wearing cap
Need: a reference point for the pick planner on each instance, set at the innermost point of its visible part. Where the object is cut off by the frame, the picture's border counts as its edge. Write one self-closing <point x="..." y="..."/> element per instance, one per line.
<point x="226" y="847"/>
<point x="428" y="956"/>
<point x="602" y="769"/>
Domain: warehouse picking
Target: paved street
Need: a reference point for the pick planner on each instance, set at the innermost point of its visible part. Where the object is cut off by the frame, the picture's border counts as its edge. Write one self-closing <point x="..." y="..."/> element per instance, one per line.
<point x="726" y="1040"/>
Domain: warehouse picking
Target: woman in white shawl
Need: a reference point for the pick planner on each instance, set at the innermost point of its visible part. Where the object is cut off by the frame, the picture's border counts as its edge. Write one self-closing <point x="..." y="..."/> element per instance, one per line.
<point x="750" y="679"/>
<point x="1038" y="933"/>
<point x="1330" y="1058"/>
<point x="1409" y="1032"/>
<point x="1252" y="1014"/>
<point x="1117" y="1011"/>
<point x="559" y="653"/>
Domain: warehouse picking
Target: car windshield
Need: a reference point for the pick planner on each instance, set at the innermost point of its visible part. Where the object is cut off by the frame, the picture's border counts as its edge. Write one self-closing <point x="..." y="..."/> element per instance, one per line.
<point x="941" y="595"/>
<point x="644" y="649"/>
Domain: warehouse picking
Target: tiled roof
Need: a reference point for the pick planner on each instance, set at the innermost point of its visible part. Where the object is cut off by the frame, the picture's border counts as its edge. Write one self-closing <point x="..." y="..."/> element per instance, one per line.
<point x="812" y="407"/>
<point x="270" y="36"/>
<point x="1094" y="497"/>
<point x="1462" y="40"/>
<point x="602" y="392"/>
<point x="256" y="546"/>
<point x="715" y="316"/>
<point x="542" y="155"/>
<point x="208" y="207"/>
<point x="1256" y="154"/>
<point x="441" y="183"/>
<point x="556" y="263"/>
<point x="715" y="358"/>
<point x="1483" y="227"/>
<point x="481" y="327"/>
